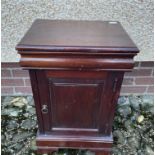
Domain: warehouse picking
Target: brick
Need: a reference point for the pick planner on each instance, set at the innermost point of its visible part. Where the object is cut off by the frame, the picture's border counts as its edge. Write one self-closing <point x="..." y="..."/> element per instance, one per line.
<point x="20" y="73"/>
<point x="23" y="90"/>
<point x="27" y="82"/>
<point x="150" y="89"/>
<point x="147" y="64"/>
<point x="5" y="73"/>
<point x="128" y="81"/>
<point x="10" y="65"/>
<point x="144" y="81"/>
<point x="139" y="81"/>
<point x="133" y="89"/>
<point x="137" y="64"/>
<point x="12" y="82"/>
<point x="152" y="74"/>
<point x="6" y="90"/>
<point x="139" y="72"/>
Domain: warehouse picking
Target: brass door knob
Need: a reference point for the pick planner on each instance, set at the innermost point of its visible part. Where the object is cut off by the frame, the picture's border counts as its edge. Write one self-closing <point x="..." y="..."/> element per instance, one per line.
<point x="44" y="109"/>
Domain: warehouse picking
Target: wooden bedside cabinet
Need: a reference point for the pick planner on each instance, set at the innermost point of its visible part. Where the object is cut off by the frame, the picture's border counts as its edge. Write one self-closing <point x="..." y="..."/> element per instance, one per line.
<point x="76" y="70"/>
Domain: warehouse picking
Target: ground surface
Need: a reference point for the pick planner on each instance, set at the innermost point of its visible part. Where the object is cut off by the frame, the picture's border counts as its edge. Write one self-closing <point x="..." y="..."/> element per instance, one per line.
<point x="132" y="130"/>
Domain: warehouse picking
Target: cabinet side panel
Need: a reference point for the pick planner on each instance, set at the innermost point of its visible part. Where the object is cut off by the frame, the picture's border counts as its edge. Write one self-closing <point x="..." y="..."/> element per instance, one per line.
<point x="109" y="101"/>
<point x="116" y="92"/>
<point x="36" y="97"/>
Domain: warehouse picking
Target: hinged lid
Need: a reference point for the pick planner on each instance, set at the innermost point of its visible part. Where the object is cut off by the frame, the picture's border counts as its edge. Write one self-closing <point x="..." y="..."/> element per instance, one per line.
<point x="77" y="36"/>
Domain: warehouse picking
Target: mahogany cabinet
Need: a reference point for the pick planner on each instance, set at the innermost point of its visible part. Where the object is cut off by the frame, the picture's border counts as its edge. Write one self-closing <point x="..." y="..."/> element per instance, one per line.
<point x="76" y="70"/>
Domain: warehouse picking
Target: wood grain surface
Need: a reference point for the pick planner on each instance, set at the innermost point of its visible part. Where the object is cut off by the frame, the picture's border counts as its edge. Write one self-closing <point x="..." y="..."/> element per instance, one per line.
<point x="60" y="35"/>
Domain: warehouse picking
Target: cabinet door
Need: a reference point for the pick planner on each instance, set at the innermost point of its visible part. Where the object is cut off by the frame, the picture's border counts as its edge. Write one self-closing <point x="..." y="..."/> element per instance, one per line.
<point x="75" y="101"/>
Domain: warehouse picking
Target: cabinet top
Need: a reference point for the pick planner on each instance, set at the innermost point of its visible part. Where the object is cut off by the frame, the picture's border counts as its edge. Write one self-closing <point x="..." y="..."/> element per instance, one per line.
<point x="79" y="36"/>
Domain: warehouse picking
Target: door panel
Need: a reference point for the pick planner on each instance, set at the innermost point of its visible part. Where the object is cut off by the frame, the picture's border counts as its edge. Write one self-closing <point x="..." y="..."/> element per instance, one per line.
<point x="74" y="100"/>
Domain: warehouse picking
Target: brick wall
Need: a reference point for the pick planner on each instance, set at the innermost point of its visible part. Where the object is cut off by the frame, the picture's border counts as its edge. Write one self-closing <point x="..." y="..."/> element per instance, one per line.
<point x="16" y="81"/>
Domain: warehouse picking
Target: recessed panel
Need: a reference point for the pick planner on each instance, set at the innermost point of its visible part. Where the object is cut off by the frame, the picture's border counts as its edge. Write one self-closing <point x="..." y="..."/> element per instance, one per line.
<point x="75" y="104"/>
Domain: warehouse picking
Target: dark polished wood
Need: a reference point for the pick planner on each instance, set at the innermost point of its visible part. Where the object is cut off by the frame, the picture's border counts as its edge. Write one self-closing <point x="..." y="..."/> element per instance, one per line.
<point x="76" y="70"/>
<point x="61" y="35"/>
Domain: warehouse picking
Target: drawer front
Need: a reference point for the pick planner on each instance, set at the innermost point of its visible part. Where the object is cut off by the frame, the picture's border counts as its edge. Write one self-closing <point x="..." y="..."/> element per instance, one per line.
<point x="74" y="101"/>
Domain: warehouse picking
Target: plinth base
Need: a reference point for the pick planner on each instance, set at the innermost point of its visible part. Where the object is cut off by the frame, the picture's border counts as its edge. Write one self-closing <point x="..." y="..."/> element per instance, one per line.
<point x="47" y="143"/>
